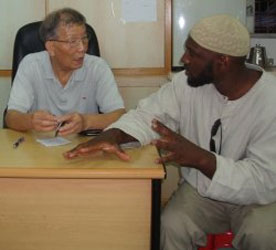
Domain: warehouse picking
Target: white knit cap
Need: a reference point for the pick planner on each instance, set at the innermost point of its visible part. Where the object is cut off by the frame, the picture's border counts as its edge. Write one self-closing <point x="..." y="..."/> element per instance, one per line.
<point x="223" y="34"/>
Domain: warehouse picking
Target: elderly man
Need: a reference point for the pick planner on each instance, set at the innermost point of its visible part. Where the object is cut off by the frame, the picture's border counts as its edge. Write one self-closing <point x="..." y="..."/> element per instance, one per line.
<point x="63" y="83"/>
<point x="218" y="123"/>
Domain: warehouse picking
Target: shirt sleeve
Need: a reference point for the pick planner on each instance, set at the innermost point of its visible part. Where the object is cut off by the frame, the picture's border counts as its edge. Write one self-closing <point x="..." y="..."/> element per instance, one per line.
<point x="161" y="105"/>
<point x="107" y="93"/>
<point x="21" y="95"/>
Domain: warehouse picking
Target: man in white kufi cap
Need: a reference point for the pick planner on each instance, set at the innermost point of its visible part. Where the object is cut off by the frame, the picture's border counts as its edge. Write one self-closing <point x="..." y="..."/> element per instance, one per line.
<point x="217" y="122"/>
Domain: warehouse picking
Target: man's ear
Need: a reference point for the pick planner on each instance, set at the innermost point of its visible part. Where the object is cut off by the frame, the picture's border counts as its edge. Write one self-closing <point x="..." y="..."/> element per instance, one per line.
<point x="223" y="60"/>
<point x="221" y="64"/>
<point x="49" y="45"/>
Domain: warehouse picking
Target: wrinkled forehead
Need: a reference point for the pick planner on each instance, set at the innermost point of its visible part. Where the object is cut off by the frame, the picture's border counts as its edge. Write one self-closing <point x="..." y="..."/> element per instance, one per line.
<point x="71" y="30"/>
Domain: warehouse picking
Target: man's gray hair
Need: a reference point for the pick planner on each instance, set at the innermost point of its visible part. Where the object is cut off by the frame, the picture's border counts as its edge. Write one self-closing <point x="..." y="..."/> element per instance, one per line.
<point x="64" y="16"/>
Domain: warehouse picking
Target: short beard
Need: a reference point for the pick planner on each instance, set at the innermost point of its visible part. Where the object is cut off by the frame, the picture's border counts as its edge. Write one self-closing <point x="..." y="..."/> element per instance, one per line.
<point x="205" y="77"/>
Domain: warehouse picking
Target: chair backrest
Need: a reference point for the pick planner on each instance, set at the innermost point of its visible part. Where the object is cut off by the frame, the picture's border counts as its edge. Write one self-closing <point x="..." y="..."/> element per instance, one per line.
<point x="27" y="41"/>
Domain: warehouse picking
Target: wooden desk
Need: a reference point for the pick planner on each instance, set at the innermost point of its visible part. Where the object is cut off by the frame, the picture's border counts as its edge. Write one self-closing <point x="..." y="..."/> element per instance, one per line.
<point x="48" y="202"/>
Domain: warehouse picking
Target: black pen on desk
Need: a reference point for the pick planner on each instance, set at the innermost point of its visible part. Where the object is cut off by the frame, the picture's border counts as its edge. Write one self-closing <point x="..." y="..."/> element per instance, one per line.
<point x="18" y="141"/>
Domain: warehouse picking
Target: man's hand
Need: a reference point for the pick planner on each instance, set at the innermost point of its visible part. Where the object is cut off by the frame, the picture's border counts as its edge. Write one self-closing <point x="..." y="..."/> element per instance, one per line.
<point x="181" y="151"/>
<point x="42" y="120"/>
<point x="106" y="142"/>
<point x="74" y="123"/>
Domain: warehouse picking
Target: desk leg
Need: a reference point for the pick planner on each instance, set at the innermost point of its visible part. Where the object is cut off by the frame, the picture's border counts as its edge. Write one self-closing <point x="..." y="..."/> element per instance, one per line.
<point x="155" y="216"/>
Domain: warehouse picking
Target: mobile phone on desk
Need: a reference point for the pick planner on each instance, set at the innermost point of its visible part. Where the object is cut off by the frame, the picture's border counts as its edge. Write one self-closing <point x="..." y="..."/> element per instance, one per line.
<point x="91" y="132"/>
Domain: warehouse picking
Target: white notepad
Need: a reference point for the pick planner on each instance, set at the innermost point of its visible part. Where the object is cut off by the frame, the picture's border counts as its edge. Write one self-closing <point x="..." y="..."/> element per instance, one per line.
<point x="51" y="142"/>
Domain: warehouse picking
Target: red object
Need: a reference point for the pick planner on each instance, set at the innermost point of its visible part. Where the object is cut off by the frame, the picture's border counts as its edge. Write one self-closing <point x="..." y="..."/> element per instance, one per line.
<point x="217" y="241"/>
<point x="210" y="243"/>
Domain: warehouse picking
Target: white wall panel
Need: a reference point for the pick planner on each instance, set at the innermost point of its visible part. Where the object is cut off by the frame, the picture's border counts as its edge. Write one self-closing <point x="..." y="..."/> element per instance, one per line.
<point x="188" y="12"/>
<point x="123" y="45"/>
<point x="13" y="15"/>
<point x="5" y="86"/>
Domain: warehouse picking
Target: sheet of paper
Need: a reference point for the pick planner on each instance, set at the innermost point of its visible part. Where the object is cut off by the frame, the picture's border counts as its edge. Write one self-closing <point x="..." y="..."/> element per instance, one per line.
<point x="139" y="10"/>
<point x="55" y="141"/>
<point x="134" y="144"/>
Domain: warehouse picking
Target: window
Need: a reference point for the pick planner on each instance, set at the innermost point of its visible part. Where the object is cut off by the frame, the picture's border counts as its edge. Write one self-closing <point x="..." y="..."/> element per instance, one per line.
<point x="265" y="16"/>
<point x="261" y="16"/>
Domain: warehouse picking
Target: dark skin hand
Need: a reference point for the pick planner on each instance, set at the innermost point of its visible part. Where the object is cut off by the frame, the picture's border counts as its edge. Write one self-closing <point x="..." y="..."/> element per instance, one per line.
<point x="107" y="142"/>
<point x="183" y="152"/>
<point x="179" y="149"/>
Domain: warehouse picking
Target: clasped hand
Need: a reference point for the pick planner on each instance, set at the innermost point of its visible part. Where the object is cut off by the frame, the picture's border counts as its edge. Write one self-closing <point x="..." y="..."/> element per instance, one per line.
<point x="45" y="121"/>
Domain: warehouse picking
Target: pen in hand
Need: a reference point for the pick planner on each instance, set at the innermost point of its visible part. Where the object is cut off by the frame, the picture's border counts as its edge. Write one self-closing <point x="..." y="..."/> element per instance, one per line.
<point x="18" y="141"/>
<point x="58" y="127"/>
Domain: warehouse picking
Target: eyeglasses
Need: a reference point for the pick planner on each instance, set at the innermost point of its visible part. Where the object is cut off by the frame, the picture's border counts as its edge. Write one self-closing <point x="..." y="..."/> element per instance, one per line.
<point x="75" y="43"/>
<point x="214" y="131"/>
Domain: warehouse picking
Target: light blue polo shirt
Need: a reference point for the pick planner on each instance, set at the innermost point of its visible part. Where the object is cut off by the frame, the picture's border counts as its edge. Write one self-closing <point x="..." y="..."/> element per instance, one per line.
<point x="89" y="89"/>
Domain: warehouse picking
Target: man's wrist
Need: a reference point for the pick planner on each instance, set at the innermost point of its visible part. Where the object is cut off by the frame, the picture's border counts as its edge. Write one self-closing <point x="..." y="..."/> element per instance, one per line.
<point x="30" y="123"/>
<point x="85" y="121"/>
<point x="119" y="136"/>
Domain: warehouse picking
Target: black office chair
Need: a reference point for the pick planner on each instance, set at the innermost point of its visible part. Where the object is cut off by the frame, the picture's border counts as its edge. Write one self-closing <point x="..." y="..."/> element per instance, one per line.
<point x="27" y="41"/>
